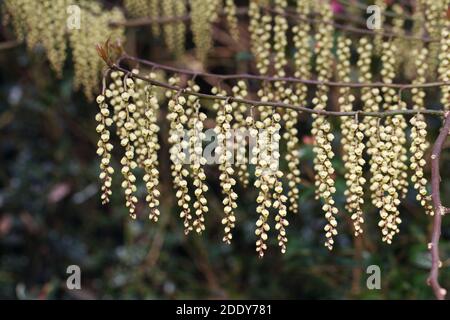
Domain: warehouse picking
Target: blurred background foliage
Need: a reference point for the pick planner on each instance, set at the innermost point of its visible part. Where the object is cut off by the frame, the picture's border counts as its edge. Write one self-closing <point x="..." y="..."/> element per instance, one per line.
<point x="51" y="216"/>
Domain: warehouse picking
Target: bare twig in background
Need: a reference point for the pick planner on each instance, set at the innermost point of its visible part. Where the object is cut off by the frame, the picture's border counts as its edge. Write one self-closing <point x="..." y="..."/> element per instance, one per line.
<point x="9" y="44"/>
<point x="145" y="21"/>
<point x="290" y="14"/>
<point x="439" y="210"/>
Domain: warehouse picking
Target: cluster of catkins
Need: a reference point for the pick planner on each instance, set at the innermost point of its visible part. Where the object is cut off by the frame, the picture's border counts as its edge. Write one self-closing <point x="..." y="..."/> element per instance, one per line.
<point x="133" y="107"/>
<point x="428" y="18"/>
<point x="203" y="13"/>
<point x="56" y="23"/>
<point x="51" y="23"/>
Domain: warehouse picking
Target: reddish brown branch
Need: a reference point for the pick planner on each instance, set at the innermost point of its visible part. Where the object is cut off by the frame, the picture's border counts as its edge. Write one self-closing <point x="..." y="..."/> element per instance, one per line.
<point x="402" y="86"/>
<point x="275" y="104"/>
<point x="439" y="210"/>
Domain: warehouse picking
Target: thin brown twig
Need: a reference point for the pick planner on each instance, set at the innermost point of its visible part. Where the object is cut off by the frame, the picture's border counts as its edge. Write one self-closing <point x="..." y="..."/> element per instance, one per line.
<point x="277" y="104"/>
<point x="284" y="79"/>
<point x="145" y="21"/>
<point x="439" y="210"/>
<point x="9" y="44"/>
<point x="139" y="22"/>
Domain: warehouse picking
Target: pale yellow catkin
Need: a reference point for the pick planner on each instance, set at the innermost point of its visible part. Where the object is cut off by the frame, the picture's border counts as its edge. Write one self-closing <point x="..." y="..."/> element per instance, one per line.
<point x="279" y="199"/>
<point x="155" y="12"/>
<point x="180" y="10"/>
<point x="83" y="41"/>
<point x="378" y="39"/>
<point x="196" y="160"/>
<point x="46" y="22"/>
<point x="203" y="14"/>
<point x="150" y="132"/>
<point x="321" y="127"/>
<point x="136" y="8"/>
<point x="280" y="42"/>
<point x="113" y="94"/>
<point x="414" y="45"/>
<point x="260" y="28"/>
<point x="418" y="148"/>
<point x="419" y="143"/>
<point x="139" y="143"/>
<point x="444" y="65"/>
<point x="265" y="156"/>
<point x="402" y="45"/>
<point x="15" y="13"/>
<point x="54" y="34"/>
<point x="232" y="20"/>
<point x="393" y="151"/>
<point x="224" y="154"/>
<point x="41" y="22"/>
<point x="128" y="159"/>
<point x="254" y="25"/>
<point x="371" y="98"/>
<point x="169" y="31"/>
<point x="239" y="126"/>
<point x="263" y="201"/>
<point x="292" y="150"/>
<point x="104" y="148"/>
<point x="178" y="120"/>
<point x="352" y="140"/>
<point x="436" y="21"/>
<point x="144" y="8"/>
<point x="297" y="96"/>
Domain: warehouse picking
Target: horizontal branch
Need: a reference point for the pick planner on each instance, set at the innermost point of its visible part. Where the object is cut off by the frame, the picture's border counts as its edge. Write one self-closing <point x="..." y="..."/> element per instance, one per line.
<point x="289" y="13"/>
<point x="256" y="103"/>
<point x="240" y="11"/>
<point x="9" y="44"/>
<point x="145" y="21"/>
<point x="283" y="79"/>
